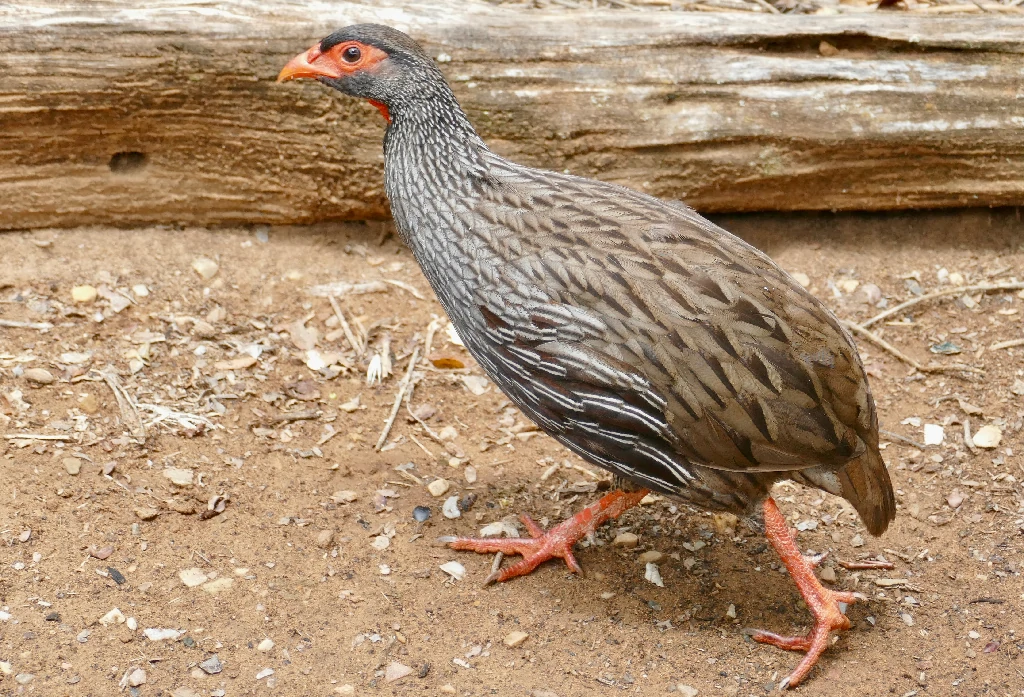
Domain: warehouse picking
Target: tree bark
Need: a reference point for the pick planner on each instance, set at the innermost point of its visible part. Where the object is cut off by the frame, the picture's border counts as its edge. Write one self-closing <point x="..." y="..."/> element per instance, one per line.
<point x="169" y="113"/>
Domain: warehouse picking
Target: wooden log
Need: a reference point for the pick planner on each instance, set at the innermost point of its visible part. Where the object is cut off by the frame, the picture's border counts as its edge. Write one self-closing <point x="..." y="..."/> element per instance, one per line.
<point x="168" y="112"/>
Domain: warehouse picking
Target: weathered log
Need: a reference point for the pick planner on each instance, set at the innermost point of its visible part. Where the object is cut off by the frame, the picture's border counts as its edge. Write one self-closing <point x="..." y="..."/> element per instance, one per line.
<point x="169" y="113"/>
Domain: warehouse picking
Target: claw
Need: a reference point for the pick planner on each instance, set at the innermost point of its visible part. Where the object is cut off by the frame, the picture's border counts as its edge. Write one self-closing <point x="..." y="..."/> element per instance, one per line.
<point x="556" y="542"/>
<point x="827" y="606"/>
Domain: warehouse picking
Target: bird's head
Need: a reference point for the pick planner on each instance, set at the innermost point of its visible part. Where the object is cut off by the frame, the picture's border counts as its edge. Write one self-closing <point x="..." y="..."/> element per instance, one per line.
<point x="370" y="61"/>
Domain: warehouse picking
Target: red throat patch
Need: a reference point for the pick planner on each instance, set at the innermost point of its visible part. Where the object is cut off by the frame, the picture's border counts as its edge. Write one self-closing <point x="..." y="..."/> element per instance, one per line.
<point x="382" y="109"/>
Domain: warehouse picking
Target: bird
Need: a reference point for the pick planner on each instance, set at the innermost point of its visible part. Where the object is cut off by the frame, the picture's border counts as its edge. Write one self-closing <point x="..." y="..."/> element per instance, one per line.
<point x="641" y="336"/>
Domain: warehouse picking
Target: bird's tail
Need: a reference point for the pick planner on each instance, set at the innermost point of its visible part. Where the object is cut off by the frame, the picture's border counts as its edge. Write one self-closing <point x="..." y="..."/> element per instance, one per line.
<point x="863" y="481"/>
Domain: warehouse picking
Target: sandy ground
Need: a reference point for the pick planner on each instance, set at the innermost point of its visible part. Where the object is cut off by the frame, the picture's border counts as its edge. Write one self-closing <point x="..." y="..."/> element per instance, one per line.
<point x="288" y="526"/>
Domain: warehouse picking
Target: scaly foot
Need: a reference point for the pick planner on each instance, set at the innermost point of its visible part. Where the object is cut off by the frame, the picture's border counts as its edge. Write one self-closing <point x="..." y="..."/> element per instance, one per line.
<point x="556" y="542"/>
<point x="823" y="603"/>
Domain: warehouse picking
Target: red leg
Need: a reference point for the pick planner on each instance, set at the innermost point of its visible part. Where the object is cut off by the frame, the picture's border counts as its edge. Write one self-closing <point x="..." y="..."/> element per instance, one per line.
<point x="822" y="602"/>
<point x="556" y="542"/>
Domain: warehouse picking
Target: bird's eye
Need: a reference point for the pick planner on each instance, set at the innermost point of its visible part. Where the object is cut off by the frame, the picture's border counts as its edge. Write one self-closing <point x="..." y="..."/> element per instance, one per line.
<point x="352" y="54"/>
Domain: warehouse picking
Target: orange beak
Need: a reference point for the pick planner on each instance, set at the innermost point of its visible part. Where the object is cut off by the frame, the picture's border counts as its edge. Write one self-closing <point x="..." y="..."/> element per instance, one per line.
<point x="312" y="64"/>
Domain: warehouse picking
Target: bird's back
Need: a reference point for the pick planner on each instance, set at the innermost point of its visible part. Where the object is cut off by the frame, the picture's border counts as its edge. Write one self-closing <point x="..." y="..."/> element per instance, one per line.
<point x="651" y="341"/>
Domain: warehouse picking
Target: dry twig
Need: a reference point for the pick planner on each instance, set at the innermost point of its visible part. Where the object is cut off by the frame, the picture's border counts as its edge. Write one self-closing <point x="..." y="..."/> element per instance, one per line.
<point x="129" y="411"/>
<point x="901" y="439"/>
<point x="15" y="324"/>
<point x="402" y="387"/>
<point x="866" y="564"/>
<point x="356" y="346"/>
<point x="1006" y="344"/>
<point x="886" y="346"/>
<point x="960" y="290"/>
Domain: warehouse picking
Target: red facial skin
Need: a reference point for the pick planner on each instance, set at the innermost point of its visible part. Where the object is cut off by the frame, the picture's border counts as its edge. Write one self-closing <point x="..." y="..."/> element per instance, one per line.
<point x="332" y="64"/>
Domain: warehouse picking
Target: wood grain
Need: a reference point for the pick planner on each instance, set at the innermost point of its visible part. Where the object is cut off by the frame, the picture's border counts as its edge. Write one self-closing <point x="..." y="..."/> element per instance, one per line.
<point x="168" y="112"/>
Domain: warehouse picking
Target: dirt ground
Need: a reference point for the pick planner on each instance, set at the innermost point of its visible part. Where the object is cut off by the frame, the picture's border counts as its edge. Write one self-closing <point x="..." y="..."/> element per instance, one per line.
<point x="286" y="525"/>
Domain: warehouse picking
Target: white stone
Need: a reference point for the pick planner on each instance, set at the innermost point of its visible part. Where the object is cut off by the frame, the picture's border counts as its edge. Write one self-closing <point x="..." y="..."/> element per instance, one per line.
<point x="206" y="268"/>
<point x="934" y="434"/>
<point x="113" y="617"/>
<point x="156" y="634"/>
<point x="219" y="585"/>
<point x="988" y="437"/>
<point x="438" y="487"/>
<point x="83" y="294"/>
<point x="514" y="639"/>
<point x="451" y="507"/>
<point x="454" y="569"/>
<point x="396" y="671"/>
<point x="178" y="476"/>
<point x="193" y="577"/>
<point x="265" y="645"/>
<point x="626" y="539"/>
<point x="137" y="677"/>
<point x="653" y="574"/>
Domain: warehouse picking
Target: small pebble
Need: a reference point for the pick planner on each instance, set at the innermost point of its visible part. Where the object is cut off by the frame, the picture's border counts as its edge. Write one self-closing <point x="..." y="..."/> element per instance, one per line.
<point x="178" y="476"/>
<point x="438" y="487"/>
<point x="514" y="639"/>
<point x="344" y="496"/>
<point x="451" y="507"/>
<point x="827" y="574"/>
<point x="265" y="645"/>
<point x="6" y="668"/>
<point x="146" y="513"/>
<point x="421" y="514"/>
<point x="137" y="677"/>
<point x="156" y="634"/>
<point x="218" y="585"/>
<point x="987" y="437"/>
<point x="206" y="268"/>
<point x="324" y="539"/>
<point x="39" y="376"/>
<point x="23" y="678"/>
<point x="212" y="665"/>
<point x="265" y="673"/>
<point x="454" y="569"/>
<point x="88" y="403"/>
<point x="934" y="434"/>
<point x="651" y="557"/>
<point x="115" y="616"/>
<point x="83" y="294"/>
<point x="687" y="690"/>
<point x="72" y="465"/>
<point x="731" y="611"/>
<point x="653" y="574"/>
<point x="396" y="671"/>
<point x="193" y="577"/>
<point x="101" y="553"/>
<point x="626" y="539"/>
<point x="380" y="543"/>
<point x="345" y="690"/>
